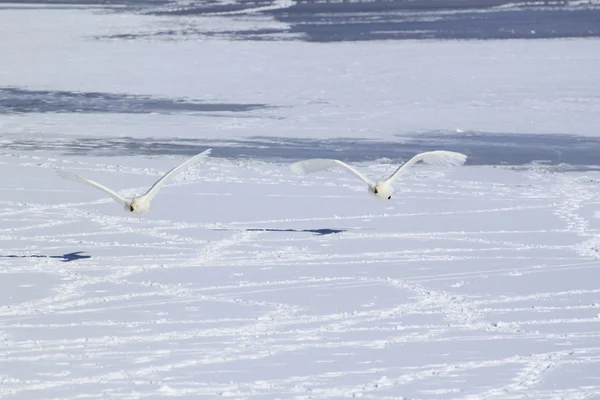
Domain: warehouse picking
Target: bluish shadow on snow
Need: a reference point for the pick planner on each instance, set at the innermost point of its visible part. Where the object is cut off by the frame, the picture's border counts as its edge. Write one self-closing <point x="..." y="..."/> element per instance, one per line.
<point x="481" y="147"/>
<point x="320" y="232"/>
<point x="64" y="258"/>
<point x="20" y="101"/>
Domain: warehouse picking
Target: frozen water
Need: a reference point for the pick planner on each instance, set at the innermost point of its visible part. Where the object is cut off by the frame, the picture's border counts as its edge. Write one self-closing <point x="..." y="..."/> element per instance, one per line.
<point x="247" y="282"/>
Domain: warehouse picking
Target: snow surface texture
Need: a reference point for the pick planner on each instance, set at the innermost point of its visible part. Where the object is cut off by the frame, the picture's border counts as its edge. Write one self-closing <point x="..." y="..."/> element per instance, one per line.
<point x="473" y="282"/>
<point x="248" y="282"/>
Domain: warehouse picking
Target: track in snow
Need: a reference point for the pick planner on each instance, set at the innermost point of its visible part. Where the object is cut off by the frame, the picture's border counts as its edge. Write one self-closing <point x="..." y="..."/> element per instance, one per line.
<point x="295" y="287"/>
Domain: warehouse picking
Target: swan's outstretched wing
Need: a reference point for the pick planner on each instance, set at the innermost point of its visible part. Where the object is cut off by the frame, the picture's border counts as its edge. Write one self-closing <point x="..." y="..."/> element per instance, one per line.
<point x="437" y="157"/>
<point x="319" y="164"/>
<point x="71" y="176"/>
<point x="158" y="184"/>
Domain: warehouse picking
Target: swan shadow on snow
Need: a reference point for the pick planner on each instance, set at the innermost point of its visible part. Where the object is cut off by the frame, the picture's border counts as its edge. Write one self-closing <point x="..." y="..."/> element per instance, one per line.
<point x="320" y="232"/>
<point x="64" y="258"/>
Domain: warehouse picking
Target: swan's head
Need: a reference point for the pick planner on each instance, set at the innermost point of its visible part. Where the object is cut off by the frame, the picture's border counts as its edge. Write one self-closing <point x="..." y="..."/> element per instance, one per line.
<point x="381" y="190"/>
<point x="137" y="207"/>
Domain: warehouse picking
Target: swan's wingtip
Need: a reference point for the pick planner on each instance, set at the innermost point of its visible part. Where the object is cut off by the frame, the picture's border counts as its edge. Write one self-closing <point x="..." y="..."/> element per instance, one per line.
<point x="446" y="157"/>
<point x="65" y="174"/>
<point x="461" y="158"/>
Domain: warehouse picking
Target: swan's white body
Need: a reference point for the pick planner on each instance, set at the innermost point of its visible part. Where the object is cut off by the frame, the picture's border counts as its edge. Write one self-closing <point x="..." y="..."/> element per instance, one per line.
<point x="381" y="189"/>
<point x="140" y="205"/>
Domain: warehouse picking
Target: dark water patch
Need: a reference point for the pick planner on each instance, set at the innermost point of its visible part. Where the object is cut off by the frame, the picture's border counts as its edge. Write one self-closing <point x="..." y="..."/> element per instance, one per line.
<point x="481" y="147"/>
<point x="64" y="258"/>
<point x="513" y="24"/>
<point x="175" y="34"/>
<point x="332" y="7"/>
<point x="22" y="101"/>
<point x="512" y="149"/>
<point x="333" y="21"/>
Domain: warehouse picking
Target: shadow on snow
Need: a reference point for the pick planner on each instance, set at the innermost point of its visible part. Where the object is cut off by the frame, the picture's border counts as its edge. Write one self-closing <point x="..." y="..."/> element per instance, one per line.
<point x="319" y="232"/>
<point x="64" y="258"/>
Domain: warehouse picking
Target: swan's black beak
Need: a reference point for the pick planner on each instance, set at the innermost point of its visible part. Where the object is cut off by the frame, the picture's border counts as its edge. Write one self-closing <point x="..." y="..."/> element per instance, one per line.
<point x="376" y="190"/>
<point x="132" y="208"/>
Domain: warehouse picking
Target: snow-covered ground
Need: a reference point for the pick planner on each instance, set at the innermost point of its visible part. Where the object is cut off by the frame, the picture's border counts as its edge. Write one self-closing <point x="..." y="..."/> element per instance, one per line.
<point x="245" y="281"/>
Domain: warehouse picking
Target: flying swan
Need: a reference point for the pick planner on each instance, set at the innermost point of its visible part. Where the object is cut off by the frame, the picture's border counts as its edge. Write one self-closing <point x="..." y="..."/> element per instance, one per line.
<point x="140" y="205"/>
<point x="381" y="189"/>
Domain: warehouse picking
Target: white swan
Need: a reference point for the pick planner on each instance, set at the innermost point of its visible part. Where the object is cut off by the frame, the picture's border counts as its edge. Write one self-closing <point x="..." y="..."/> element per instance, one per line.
<point x="381" y="189"/>
<point x="140" y="205"/>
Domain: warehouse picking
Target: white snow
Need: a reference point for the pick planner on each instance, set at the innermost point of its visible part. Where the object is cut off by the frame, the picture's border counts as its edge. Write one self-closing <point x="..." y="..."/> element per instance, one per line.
<point x="471" y="283"/>
<point x="247" y="282"/>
